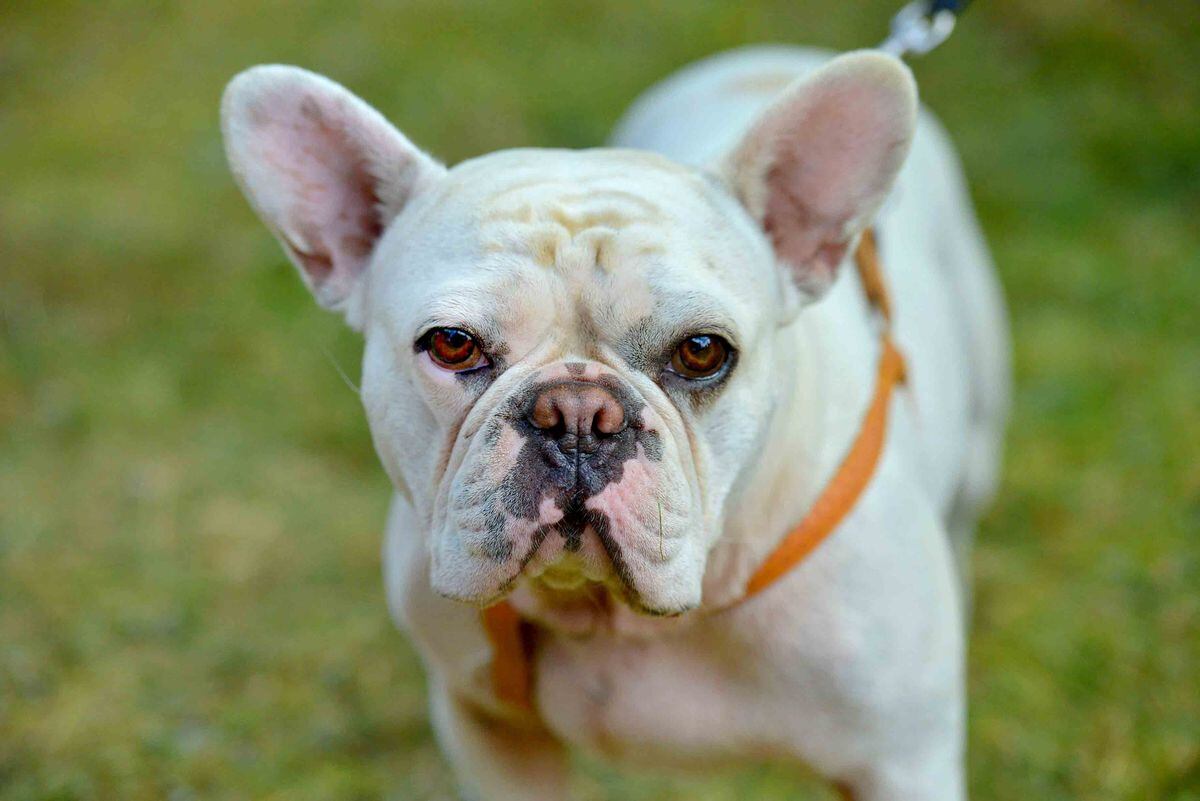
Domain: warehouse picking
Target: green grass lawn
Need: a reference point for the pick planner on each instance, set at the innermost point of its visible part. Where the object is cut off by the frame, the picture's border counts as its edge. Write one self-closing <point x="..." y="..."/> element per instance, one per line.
<point x="190" y="508"/>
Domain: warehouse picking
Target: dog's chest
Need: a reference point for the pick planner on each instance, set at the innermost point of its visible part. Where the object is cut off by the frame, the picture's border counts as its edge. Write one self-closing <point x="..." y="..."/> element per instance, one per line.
<point x="678" y="700"/>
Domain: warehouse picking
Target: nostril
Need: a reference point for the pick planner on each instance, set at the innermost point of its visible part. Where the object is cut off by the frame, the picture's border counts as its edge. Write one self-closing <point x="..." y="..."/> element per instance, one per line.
<point x="609" y="418"/>
<point x="545" y="413"/>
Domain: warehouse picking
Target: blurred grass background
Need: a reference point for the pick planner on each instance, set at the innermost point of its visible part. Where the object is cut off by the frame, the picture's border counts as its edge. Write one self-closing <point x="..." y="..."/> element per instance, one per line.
<point x="190" y="509"/>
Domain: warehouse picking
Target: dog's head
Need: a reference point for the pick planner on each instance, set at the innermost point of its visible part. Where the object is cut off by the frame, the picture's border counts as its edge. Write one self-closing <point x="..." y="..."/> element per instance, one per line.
<point x="572" y="357"/>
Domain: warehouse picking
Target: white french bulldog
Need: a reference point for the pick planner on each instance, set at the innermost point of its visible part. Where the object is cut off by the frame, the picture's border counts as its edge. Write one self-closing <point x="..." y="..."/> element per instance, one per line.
<point x="606" y="383"/>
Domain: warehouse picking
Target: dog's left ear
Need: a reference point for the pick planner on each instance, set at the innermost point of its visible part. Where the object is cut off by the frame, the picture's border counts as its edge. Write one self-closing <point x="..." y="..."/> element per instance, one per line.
<point x="816" y="166"/>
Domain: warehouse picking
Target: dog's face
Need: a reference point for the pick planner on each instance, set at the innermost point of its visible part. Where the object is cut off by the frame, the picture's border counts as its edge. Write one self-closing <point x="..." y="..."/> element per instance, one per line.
<point x="568" y="361"/>
<point x="571" y="356"/>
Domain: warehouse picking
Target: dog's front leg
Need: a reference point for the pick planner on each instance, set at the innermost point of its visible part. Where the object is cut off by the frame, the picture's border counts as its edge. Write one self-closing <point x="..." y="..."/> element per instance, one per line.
<point x="495" y="759"/>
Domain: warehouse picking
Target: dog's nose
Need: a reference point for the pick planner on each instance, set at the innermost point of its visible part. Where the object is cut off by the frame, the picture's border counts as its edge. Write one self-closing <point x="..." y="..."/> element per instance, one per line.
<point x="577" y="415"/>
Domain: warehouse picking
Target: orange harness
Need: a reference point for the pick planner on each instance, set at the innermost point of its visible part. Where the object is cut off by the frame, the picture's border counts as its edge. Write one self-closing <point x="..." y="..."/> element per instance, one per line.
<point x="512" y="637"/>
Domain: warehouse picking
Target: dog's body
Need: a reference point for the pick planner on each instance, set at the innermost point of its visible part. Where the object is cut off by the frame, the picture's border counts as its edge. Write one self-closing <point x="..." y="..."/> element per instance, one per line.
<point x="853" y="662"/>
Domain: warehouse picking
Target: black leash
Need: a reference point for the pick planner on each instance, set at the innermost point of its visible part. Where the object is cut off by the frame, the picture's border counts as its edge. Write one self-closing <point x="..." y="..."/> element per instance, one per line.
<point x="921" y="26"/>
<point x="949" y="5"/>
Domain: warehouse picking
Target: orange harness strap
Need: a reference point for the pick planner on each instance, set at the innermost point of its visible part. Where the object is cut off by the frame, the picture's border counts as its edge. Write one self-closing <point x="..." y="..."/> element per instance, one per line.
<point x="847" y="484"/>
<point x="512" y="656"/>
<point x="511" y="637"/>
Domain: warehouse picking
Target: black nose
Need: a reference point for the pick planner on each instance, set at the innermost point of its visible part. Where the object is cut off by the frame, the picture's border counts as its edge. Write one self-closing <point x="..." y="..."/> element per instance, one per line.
<point x="577" y="415"/>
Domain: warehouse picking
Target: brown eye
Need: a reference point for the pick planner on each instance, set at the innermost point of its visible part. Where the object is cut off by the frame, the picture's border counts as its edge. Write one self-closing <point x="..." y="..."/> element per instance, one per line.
<point x="700" y="356"/>
<point x="454" y="349"/>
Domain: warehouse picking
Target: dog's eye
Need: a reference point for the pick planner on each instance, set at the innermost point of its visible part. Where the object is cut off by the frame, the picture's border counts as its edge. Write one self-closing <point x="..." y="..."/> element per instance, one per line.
<point x="699" y="356"/>
<point x="454" y="349"/>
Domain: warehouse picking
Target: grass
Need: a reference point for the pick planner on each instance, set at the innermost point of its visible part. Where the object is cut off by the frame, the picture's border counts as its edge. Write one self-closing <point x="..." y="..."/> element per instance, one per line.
<point x="190" y="509"/>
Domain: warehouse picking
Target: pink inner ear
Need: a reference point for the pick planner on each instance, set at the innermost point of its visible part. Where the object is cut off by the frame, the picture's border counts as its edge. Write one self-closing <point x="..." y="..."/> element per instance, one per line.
<point x="834" y="150"/>
<point x="331" y="205"/>
<point x="800" y="239"/>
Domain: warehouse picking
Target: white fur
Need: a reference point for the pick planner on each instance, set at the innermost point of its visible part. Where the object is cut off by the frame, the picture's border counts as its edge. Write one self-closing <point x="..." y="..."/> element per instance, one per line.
<point x="853" y="663"/>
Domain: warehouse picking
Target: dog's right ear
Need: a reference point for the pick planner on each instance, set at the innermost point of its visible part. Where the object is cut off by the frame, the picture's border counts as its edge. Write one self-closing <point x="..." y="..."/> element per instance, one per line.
<point x="818" y="163"/>
<point x="325" y="171"/>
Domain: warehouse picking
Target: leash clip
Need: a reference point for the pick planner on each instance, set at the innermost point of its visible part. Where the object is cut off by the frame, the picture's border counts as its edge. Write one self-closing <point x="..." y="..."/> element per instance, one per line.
<point x="921" y="26"/>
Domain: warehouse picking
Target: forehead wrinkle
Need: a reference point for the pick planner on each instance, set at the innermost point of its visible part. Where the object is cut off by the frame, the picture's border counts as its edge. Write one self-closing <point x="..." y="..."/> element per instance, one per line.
<point x="559" y="225"/>
<point x="523" y="201"/>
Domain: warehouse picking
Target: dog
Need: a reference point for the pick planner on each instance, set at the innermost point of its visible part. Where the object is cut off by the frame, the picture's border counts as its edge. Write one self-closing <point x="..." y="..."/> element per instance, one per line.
<point x="607" y="383"/>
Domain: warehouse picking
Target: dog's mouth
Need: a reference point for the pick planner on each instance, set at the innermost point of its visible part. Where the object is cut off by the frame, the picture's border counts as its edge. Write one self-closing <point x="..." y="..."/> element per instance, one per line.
<point x="578" y="560"/>
<point x="563" y="598"/>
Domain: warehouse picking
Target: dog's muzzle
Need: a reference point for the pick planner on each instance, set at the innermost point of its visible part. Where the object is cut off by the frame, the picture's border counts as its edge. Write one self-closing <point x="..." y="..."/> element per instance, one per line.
<point x="573" y="480"/>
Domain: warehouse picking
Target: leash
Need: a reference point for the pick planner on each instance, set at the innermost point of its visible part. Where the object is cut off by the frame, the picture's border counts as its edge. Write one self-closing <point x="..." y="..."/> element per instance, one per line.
<point x="512" y="637"/>
<point x="921" y="26"/>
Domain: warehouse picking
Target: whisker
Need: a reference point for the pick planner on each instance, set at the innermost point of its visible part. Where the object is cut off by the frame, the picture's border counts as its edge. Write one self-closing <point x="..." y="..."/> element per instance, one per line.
<point x="332" y="360"/>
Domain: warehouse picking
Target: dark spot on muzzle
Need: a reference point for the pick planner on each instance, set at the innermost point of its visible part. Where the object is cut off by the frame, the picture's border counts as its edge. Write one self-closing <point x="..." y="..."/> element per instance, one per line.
<point x="577" y="438"/>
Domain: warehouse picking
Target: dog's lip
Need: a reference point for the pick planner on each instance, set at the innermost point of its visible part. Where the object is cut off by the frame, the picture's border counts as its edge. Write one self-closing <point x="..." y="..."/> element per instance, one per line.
<point x="566" y="573"/>
<point x="591" y="592"/>
<point x="565" y="581"/>
<point x="549" y="559"/>
<point x="572" y="574"/>
<point x="566" y="586"/>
